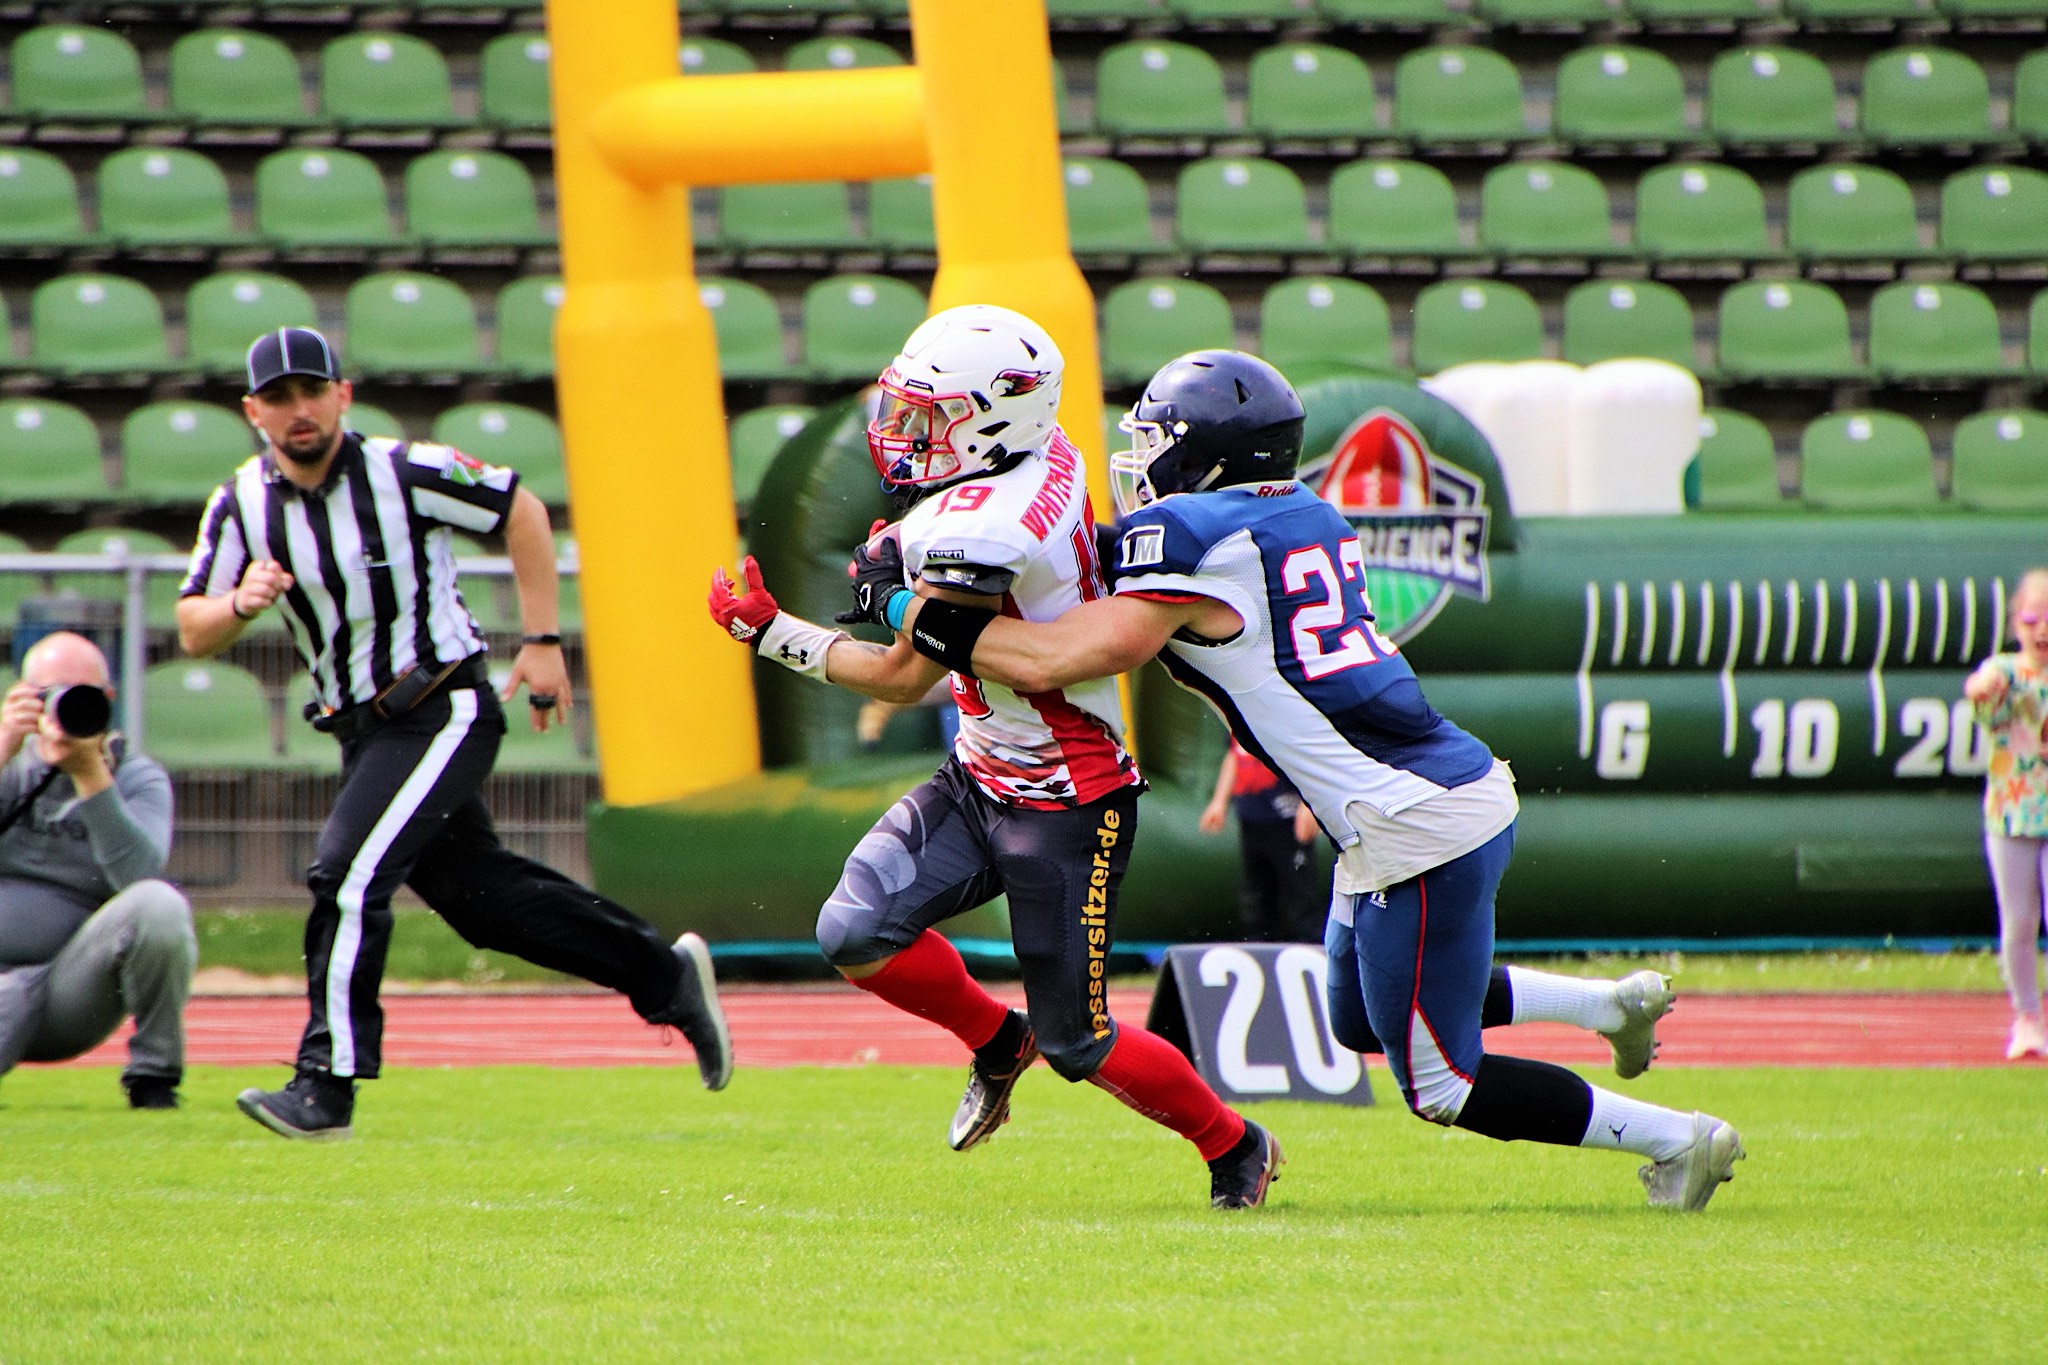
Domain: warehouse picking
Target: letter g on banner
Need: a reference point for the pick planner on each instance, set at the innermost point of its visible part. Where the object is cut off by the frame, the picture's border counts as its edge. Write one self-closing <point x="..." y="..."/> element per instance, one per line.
<point x="1254" y="1020"/>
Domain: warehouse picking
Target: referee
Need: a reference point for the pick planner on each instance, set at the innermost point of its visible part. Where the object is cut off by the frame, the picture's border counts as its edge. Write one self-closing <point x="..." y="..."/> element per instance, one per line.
<point x="348" y="537"/>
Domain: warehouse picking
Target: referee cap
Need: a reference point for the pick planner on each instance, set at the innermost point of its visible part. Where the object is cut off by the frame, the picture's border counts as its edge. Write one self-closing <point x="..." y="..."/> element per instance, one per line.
<point x="290" y="350"/>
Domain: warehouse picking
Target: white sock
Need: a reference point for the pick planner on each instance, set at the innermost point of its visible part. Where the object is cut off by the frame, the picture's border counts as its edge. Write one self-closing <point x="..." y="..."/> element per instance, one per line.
<point x="1549" y="998"/>
<point x="1622" y="1124"/>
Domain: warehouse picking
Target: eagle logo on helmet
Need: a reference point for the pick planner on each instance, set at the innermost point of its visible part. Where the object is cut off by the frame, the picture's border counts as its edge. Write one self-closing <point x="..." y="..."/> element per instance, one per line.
<point x="1012" y="383"/>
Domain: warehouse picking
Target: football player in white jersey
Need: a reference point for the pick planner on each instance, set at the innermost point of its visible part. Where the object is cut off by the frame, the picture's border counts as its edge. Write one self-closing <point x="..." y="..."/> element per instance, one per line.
<point x="1039" y="799"/>
<point x="1249" y="588"/>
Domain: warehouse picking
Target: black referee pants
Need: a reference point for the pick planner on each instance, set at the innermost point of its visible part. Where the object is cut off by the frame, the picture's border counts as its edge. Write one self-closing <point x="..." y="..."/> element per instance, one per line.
<point x="409" y="811"/>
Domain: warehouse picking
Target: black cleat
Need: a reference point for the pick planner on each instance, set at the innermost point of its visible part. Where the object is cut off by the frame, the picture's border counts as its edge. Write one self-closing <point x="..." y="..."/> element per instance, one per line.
<point x="990" y="1079"/>
<point x="313" y="1106"/>
<point x="696" y="1011"/>
<point x="1238" y="1179"/>
<point x="151" y="1092"/>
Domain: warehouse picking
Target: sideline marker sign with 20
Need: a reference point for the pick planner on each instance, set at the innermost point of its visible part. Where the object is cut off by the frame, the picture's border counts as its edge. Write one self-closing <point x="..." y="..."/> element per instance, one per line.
<point x="1254" y="1020"/>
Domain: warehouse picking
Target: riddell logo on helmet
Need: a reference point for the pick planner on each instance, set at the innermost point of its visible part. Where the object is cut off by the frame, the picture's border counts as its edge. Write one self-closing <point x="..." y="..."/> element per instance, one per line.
<point x="1421" y="520"/>
<point x="1012" y="383"/>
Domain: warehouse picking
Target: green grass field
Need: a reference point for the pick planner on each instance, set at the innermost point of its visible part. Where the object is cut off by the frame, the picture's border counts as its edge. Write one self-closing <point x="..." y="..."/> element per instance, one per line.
<point x="525" y="1214"/>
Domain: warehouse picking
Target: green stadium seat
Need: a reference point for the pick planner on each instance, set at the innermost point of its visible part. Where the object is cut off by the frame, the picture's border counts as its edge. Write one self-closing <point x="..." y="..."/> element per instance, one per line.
<point x="1544" y="13"/>
<point x="837" y="52"/>
<point x="2037" y="335"/>
<point x="39" y="202"/>
<point x="236" y="76"/>
<point x="159" y="196"/>
<point x="808" y="214"/>
<point x="77" y="72"/>
<point x="1263" y="12"/>
<point x="749" y="330"/>
<point x="206" y="715"/>
<point x="1848" y="212"/>
<point x="2030" y="97"/>
<point x="406" y="322"/>
<point x="1920" y="95"/>
<point x="224" y="313"/>
<point x="367" y="419"/>
<point x="855" y="324"/>
<point x="385" y="80"/>
<point x="1927" y="329"/>
<point x="1159" y="89"/>
<point x="1457" y="321"/>
<point x="322" y="197"/>
<point x="174" y="454"/>
<point x="1687" y="12"/>
<point x="1147" y="322"/>
<point x="755" y="438"/>
<point x="1995" y="213"/>
<point x="1785" y="329"/>
<point x="1394" y="208"/>
<point x="900" y="214"/>
<point x="515" y="437"/>
<point x="1105" y="11"/>
<point x="1458" y="94"/>
<point x="714" y="57"/>
<point x="1999" y="462"/>
<point x="15" y="588"/>
<point x="1619" y="94"/>
<point x="1388" y="13"/>
<point x="1836" y="11"/>
<point x="1698" y="211"/>
<point x="1310" y="90"/>
<point x="1108" y="208"/>
<point x="91" y="324"/>
<point x="1771" y="95"/>
<point x="526" y="326"/>
<point x="1610" y="319"/>
<point x="512" y="89"/>
<point x="1544" y="208"/>
<point x="1319" y="319"/>
<point x="472" y="197"/>
<point x="49" y="453"/>
<point x="1866" y="461"/>
<point x="1967" y="11"/>
<point x="1737" y="465"/>
<point x="1240" y="204"/>
<point x="160" y="590"/>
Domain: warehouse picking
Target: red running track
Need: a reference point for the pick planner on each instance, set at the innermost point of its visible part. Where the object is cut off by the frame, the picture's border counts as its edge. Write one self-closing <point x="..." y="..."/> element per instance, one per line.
<point x="840" y="1026"/>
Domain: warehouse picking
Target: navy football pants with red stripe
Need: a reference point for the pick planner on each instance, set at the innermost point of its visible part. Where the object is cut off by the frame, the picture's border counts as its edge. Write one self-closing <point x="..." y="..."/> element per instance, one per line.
<point x="1421" y="954"/>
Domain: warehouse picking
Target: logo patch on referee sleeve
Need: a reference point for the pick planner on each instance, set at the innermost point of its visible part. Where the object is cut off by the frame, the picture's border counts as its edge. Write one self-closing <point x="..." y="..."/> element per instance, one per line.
<point x="466" y="470"/>
<point x="1143" y="546"/>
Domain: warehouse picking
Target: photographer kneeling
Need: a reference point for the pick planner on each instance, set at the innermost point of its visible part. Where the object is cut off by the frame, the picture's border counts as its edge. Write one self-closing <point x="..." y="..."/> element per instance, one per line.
<point x="87" y="933"/>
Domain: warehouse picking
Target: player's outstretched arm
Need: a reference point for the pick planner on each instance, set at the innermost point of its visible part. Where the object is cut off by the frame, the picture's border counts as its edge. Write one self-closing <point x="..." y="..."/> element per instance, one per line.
<point x="1097" y="639"/>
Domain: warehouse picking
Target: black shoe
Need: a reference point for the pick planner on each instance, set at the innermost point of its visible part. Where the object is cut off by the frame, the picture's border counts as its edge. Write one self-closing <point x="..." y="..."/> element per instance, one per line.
<point x="696" y="1011"/>
<point x="313" y="1105"/>
<point x="1238" y="1179"/>
<point x="997" y="1067"/>
<point x="151" y="1092"/>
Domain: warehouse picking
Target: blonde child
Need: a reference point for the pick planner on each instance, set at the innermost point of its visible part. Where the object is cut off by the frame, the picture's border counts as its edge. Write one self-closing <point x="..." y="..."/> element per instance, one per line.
<point x="2010" y="695"/>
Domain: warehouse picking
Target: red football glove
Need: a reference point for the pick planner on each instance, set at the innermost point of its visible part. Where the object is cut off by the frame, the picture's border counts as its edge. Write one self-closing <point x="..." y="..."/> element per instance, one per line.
<point x="743" y="617"/>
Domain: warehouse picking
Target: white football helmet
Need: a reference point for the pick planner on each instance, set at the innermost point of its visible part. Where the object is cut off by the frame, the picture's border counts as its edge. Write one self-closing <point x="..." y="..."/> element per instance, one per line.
<point x="975" y="388"/>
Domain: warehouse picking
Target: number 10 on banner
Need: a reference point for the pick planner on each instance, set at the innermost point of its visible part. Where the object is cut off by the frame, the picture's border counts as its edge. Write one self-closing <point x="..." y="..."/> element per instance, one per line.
<point x="1254" y="1019"/>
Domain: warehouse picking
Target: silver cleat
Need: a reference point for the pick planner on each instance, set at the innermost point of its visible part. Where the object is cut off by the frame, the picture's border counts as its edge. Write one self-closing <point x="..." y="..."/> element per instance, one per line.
<point x="1645" y="998"/>
<point x="1688" y="1180"/>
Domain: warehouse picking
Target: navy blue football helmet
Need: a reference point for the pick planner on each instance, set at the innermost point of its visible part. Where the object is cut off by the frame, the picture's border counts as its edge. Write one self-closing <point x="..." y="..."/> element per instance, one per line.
<point x="1207" y="420"/>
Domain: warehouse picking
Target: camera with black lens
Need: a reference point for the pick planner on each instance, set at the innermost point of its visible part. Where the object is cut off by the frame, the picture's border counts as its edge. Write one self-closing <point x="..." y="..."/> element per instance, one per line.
<point x="81" y="710"/>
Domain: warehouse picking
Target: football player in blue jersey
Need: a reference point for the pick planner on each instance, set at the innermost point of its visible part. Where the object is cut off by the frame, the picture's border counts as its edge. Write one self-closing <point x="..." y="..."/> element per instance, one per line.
<point x="1250" y="588"/>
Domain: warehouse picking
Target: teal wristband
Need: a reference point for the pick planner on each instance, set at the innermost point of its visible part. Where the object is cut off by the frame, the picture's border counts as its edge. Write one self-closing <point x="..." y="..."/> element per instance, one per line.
<point x="897" y="607"/>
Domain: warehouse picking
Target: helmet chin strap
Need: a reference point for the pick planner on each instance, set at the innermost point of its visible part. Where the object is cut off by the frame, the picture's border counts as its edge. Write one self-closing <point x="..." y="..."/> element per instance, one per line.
<point x="1209" y="479"/>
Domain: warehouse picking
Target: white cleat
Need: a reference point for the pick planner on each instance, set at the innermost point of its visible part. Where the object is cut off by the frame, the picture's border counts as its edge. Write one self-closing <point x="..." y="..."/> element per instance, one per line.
<point x="2027" y="1036"/>
<point x="1688" y="1180"/>
<point x="1645" y="998"/>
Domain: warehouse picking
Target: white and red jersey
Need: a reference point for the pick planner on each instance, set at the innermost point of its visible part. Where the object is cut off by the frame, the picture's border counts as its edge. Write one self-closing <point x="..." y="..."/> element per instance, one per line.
<point x="1038" y="750"/>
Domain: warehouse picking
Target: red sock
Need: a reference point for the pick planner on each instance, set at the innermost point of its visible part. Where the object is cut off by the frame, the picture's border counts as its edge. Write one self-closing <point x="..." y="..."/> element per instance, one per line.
<point x="929" y="980"/>
<point x="1153" y="1077"/>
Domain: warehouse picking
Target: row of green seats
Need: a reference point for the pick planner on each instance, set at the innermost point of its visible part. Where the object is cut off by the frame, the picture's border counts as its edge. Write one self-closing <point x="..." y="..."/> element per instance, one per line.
<point x="1872" y="461"/>
<point x="172" y="454"/>
<point x="1609" y="93"/>
<point x="306" y="198"/>
<point x="1765" y="330"/>
<point x="397" y="323"/>
<point x="1534" y="13"/>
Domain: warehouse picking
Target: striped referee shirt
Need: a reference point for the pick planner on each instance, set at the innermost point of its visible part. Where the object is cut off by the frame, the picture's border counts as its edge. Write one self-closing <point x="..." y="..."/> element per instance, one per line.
<point x="374" y="591"/>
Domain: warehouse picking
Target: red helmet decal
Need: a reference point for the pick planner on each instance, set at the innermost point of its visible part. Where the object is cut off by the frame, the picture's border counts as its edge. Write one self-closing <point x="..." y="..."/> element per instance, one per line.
<point x="1011" y="383"/>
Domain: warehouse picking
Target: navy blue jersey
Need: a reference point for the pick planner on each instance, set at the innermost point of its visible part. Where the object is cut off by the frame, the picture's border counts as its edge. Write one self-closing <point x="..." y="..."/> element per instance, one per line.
<point x="1309" y="686"/>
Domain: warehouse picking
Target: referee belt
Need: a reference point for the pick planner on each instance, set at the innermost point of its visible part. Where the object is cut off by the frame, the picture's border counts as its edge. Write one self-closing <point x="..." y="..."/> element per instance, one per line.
<point x="351" y="723"/>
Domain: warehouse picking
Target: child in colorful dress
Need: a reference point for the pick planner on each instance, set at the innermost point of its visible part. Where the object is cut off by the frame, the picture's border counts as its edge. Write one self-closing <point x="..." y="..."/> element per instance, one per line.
<point x="2010" y="696"/>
